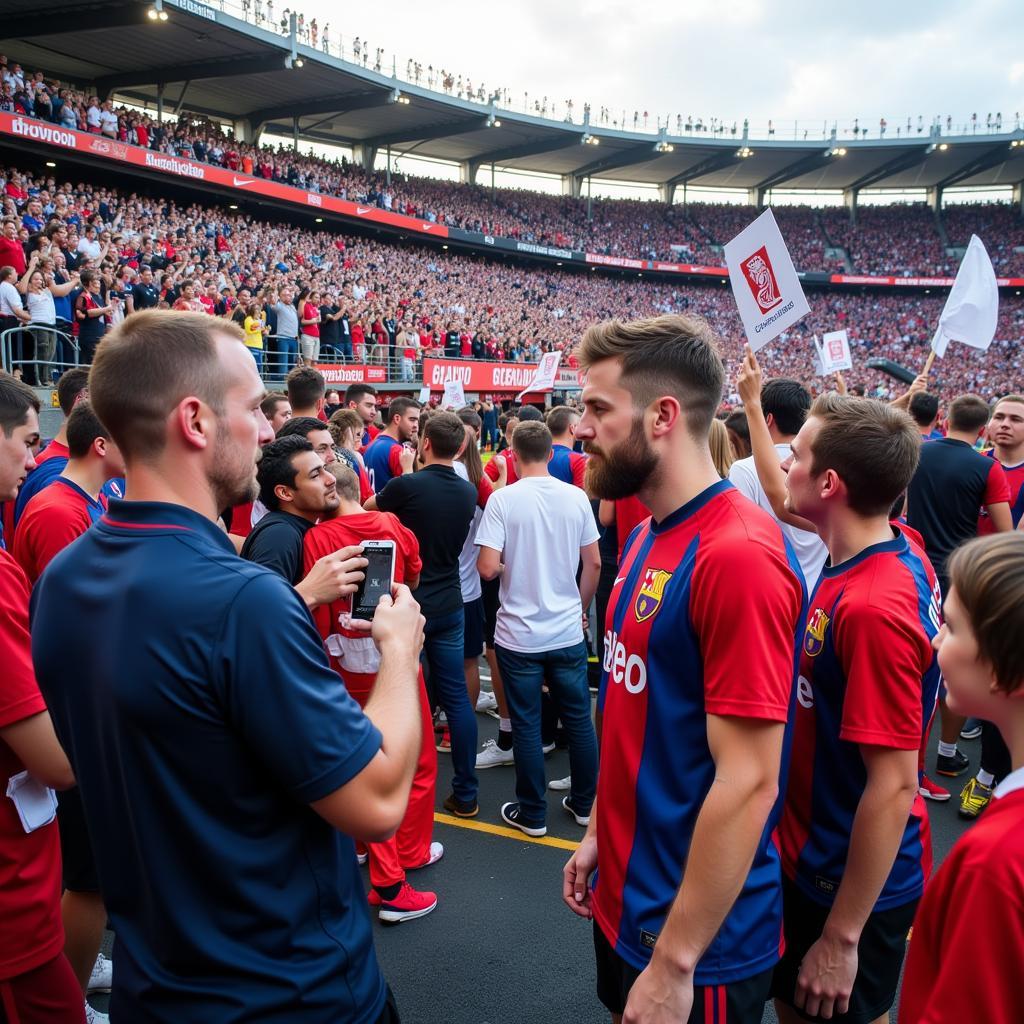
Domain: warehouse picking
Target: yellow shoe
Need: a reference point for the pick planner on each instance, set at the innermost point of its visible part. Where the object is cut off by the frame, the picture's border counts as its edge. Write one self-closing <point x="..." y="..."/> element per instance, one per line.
<point x="974" y="798"/>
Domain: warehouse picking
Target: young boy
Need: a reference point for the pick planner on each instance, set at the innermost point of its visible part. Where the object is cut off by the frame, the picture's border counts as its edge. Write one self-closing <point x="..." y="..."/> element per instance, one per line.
<point x="976" y="899"/>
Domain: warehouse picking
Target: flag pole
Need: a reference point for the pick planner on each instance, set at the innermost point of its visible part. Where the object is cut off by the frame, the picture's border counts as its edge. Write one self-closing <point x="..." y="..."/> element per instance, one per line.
<point x="928" y="363"/>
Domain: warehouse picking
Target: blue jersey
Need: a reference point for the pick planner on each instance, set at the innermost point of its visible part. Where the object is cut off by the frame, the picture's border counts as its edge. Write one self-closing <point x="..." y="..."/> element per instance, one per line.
<point x="868" y="676"/>
<point x="567" y="465"/>
<point x="382" y="461"/>
<point x="696" y="596"/>
<point x="199" y="738"/>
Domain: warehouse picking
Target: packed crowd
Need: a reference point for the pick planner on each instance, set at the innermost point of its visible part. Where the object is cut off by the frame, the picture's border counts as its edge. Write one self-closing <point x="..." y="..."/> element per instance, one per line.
<point x="294" y="601"/>
<point x="899" y="240"/>
<point x="378" y="301"/>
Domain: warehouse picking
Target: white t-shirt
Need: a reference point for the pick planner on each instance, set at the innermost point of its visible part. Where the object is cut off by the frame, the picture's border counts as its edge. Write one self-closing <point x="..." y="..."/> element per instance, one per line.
<point x="108" y="121"/>
<point x="540" y="523"/>
<point x="809" y="549"/>
<point x="40" y="306"/>
<point x="10" y="299"/>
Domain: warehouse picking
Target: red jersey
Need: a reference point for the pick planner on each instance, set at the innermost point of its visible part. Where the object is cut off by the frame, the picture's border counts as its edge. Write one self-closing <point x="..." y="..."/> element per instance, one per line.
<point x="629" y="514"/>
<point x="695" y="594"/>
<point x="370" y="433"/>
<point x="1015" y="479"/>
<point x="973" y="912"/>
<point x="56" y="516"/>
<point x="31" y="931"/>
<point x="491" y="469"/>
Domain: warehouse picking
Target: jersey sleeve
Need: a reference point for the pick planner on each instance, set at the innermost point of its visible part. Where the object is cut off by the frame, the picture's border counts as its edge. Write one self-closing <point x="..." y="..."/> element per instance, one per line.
<point x="579" y="468"/>
<point x="997" y="488"/>
<point x="19" y="695"/>
<point x="41" y="537"/>
<point x="491" y="531"/>
<point x="491" y="469"/>
<point x="884" y="654"/>
<point x="283" y="697"/>
<point x="747" y="591"/>
<point x="484" y="491"/>
<point x="395" y="460"/>
<point x="590" y="533"/>
<point x="365" y="488"/>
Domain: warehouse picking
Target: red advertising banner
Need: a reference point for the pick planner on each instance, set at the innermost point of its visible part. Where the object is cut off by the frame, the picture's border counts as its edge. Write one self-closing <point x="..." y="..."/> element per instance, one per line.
<point x="349" y="373"/>
<point x="915" y="282"/>
<point x="27" y="129"/>
<point x="488" y="377"/>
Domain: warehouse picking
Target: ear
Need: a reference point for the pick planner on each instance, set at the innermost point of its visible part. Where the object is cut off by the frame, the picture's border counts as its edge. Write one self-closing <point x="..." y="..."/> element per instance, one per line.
<point x="769" y="419"/>
<point x="99" y="447"/>
<point x="284" y="493"/>
<point x="666" y="412"/>
<point x="194" y="422"/>
<point x="832" y="486"/>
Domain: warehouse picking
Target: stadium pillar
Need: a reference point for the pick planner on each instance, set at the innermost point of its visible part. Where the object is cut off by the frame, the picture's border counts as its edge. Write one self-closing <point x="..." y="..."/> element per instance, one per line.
<point x="1018" y="197"/>
<point x="160" y="103"/>
<point x="850" y="201"/>
<point x="242" y="131"/>
<point x="365" y="156"/>
<point x="934" y="196"/>
<point x="667" y="193"/>
<point x="572" y="185"/>
<point x="467" y="171"/>
<point x="755" y="197"/>
<point x="295" y="135"/>
<point x="387" y="168"/>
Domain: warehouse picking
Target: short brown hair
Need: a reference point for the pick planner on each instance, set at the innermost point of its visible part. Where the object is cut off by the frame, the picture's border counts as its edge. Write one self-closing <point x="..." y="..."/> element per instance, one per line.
<point x="269" y="404"/>
<point x="988" y="574"/>
<point x="559" y="419"/>
<point x="343" y="420"/>
<point x="673" y="354"/>
<point x="872" y="446"/>
<point x="399" y="407"/>
<point x="70" y="385"/>
<point x="968" y="413"/>
<point x="445" y="432"/>
<point x="16" y="398"/>
<point x="531" y="442"/>
<point x="147" y="364"/>
<point x="1007" y="398"/>
<point x="306" y="387"/>
<point x="83" y="427"/>
<point x="346" y="478"/>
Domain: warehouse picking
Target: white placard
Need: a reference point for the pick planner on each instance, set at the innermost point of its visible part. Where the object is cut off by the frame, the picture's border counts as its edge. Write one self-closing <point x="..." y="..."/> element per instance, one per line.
<point x="424" y="394"/>
<point x="764" y="281"/>
<point x="545" y="374"/>
<point x="454" y="395"/>
<point x="835" y="352"/>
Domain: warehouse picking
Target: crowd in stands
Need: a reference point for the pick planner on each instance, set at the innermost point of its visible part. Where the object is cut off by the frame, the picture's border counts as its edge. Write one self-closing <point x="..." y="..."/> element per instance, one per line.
<point x="208" y="258"/>
<point x="900" y="240"/>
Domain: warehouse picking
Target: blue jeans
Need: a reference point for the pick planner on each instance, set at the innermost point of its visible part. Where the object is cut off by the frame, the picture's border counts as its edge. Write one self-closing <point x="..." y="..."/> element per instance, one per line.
<point x="345" y="348"/>
<point x="257" y="354"/>
<point x="443" y="645"/>
<point x="564" y="671"/>
<point x="287" y="354"/>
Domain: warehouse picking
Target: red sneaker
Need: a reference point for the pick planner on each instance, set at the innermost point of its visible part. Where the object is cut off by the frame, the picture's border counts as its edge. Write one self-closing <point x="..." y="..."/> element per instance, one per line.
<point x="407" y="905"/>
<point x="444" y="744"/>
<point x="931" y="791"/>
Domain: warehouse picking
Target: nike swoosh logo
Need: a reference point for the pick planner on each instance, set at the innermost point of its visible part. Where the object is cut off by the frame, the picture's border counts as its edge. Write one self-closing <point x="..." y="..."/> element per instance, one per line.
<point x="426" y="227"/>
<point x="242" y="181"/>
<point x="621" y="579"/>
<point x="363" y="210"/>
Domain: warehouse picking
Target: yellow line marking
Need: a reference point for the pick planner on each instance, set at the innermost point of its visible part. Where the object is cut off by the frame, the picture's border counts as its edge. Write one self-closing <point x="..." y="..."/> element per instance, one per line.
<point x="507" y="833"/>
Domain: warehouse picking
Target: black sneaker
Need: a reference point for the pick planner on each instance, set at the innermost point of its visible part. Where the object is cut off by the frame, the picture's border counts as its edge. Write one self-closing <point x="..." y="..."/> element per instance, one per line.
<point x="951" y="766"/>
<point x="461" y="809"/>
<point x="510" y="813"/>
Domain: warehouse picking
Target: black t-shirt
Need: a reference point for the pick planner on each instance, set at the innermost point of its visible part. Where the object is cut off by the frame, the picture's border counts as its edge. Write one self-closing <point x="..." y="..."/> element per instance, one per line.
<point x="330" y="330"/>
<point x="438" y="506"/>
<point x="452" y="343"/>
<point x="276" y="543"/>
<point x="950" y="486"/>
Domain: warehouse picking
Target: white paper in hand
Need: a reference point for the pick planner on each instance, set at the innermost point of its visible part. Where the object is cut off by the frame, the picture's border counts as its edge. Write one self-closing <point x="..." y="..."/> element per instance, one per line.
<point x="972" y="309"/>
<point x="835" y="352"/>
<point x="454" y="395"/>
<point x="424" y="394"/>
<point x="764" y="281"/>
<point x="36" y="804"/>
<point x="544" y="375"/>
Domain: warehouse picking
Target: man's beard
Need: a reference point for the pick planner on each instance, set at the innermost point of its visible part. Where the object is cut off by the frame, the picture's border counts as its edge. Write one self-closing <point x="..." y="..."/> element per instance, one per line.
<point x="233" y="478"/>
<point x="624" y="470"/>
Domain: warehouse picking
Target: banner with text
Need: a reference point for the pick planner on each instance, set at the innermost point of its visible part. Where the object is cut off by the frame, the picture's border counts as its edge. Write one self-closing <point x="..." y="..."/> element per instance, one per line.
<point x="352" y="373"/>
<point x="489" y="377"/>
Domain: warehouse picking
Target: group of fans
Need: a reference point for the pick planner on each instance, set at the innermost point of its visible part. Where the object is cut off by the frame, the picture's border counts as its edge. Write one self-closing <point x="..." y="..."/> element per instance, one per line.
<point x="782" y="596"/>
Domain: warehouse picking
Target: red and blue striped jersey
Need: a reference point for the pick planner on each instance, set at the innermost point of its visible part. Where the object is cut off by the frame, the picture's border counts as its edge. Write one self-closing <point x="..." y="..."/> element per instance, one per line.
<point x="1015" y="478"/>
<point x="704" y="618"/>
<point x="383" y="461"/>
<point x="868" y="676"/>
<point x="567" y="465"/>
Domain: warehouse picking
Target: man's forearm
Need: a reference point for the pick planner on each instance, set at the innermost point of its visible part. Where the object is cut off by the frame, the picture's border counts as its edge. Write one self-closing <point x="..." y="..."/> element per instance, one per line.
<point x="725" y="837"/>
<point x="588" y="584"/>
<point x="878" y="828"/>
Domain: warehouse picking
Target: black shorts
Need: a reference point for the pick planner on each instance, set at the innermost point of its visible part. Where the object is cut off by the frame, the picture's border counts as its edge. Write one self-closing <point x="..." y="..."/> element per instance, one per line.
<point x="473" y="635"/>
<point x="880" y="953"/>
<point x="492" y="602"/>
<point x="79" y="865"/>
<point x="739" y="1002"/>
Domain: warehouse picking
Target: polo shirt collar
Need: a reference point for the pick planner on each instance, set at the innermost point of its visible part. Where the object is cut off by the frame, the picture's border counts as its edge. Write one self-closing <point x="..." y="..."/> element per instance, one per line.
<point x="158" y="518"/>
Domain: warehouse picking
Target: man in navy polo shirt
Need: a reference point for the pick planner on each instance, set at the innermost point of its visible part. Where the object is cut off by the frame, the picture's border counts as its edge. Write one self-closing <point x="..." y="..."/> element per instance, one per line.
<point x="221" y="760"/>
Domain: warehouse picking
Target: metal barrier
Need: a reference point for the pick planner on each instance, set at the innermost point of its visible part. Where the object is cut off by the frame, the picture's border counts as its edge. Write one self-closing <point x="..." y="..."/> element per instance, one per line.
<point x="21" y="350"/>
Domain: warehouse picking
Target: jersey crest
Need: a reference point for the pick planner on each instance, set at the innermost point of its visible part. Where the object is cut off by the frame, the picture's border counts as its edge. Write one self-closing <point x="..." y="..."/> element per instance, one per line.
<point x="648" y="601"/>
<point x="814" y="637"/>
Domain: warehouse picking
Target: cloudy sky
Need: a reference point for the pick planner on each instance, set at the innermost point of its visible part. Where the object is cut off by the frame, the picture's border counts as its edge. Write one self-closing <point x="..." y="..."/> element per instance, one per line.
<point x="786" y="61"/>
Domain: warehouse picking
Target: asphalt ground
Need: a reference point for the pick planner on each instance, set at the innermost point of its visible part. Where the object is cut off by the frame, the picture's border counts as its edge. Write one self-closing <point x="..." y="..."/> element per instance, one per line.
<point x="501" y="947"/>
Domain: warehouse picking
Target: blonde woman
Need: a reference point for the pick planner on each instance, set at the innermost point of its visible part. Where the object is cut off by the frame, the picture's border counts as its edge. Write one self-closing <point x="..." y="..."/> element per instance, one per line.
<point x="721" y="450"/>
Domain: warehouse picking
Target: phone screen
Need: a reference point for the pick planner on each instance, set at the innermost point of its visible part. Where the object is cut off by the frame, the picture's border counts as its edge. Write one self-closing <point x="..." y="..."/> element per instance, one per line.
<point x="377" y="582"/>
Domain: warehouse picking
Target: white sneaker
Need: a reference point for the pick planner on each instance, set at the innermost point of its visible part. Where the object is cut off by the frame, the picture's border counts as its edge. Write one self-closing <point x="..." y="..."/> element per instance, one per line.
<point x="565" y="783"/>
<point x="102" y="977"/>
<point x="547" y="748"/>
<point x="487" y="704"/>
<point x="436" y="853"/>
<point x="94" y="1016"/>
<point x="492" y="755"/>
<point x="580" y="819"/>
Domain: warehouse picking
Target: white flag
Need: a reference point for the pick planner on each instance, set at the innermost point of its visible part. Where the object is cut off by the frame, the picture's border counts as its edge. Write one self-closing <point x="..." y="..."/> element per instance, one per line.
<point x="972" y="309"/>
<point x="544" y="375"/>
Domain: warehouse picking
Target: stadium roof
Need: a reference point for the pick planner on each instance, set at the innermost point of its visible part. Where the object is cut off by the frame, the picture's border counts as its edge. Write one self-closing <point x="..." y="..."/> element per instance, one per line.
<point x="212" y="62"/>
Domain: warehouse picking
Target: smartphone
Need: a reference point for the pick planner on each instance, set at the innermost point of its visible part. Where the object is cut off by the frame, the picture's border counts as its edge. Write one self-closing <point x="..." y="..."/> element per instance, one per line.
<point x="378" y="580"/>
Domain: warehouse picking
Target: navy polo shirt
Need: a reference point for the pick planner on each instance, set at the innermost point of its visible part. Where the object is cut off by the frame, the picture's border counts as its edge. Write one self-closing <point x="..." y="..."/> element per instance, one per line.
<point x="192" y="693"/>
